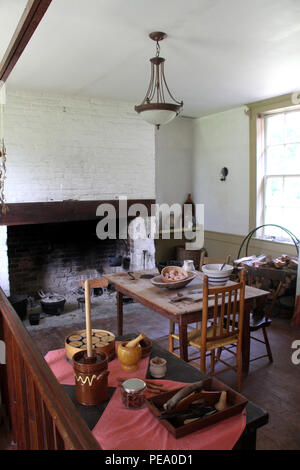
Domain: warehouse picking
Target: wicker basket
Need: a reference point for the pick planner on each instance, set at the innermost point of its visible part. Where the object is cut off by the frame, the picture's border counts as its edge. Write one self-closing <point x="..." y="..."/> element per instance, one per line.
<point x="182" y="254"/>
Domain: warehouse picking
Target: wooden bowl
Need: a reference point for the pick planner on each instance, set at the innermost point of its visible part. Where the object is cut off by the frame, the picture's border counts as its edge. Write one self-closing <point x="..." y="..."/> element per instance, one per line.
<point x="176" y="269"/>
<point x="103" y="341"/>
<point x="158" y="282"/>
<point x="129" y="357"/>
<point x="146" y="345"/>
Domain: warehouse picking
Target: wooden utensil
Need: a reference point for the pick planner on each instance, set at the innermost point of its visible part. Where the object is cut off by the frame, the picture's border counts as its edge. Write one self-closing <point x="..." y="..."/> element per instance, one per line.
<point x="88" y="319"/>
<point x="134" y="342"/>
<point x="189" y="297"/>
<point x="90" y="369"/>
<point x="183" y="405"/>
<point x="130" y="353"/>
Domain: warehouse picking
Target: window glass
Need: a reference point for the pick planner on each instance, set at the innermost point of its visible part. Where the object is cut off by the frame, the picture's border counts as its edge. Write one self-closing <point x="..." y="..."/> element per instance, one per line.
<point x="275" y="159"/>
<point x="274" y="191"/>
<point x="292" y="158"/>
<point x="282" y="173"/>
<point x="292" y="125"/>
<point x="292" y="193"/>
<point x="275" y="129"/>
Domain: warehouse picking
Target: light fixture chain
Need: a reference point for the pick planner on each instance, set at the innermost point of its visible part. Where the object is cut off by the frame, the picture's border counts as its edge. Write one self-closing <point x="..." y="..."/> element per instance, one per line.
<point x="157" y="49"/>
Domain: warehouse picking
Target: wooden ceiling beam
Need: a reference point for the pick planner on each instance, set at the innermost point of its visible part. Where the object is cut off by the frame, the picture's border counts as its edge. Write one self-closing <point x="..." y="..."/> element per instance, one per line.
<point x="30" y="19"/>
<point x="27" y="213"/>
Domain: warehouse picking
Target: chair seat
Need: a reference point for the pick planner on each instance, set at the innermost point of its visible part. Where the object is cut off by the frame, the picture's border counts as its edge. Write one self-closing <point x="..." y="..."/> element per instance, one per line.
<point x="194" y="338"/>
<point x="259" y="321"/>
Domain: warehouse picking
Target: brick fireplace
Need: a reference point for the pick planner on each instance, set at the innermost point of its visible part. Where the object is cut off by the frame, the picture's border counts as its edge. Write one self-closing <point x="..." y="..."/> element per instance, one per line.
<point x="51" y="246"/>
<point x="54" y="257"/>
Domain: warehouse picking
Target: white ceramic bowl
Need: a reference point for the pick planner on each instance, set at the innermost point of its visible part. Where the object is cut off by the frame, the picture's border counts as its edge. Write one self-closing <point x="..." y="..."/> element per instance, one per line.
<point x="215" y="276"/>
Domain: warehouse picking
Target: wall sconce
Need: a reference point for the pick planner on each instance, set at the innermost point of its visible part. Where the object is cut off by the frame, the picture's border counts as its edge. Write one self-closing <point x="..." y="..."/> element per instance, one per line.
<point x="224" y="173"/>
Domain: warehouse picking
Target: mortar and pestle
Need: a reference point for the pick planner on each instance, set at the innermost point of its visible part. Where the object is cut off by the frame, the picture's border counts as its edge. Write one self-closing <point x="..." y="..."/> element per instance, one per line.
<point x="130" y="353"/>
<point x="90" y="367"/>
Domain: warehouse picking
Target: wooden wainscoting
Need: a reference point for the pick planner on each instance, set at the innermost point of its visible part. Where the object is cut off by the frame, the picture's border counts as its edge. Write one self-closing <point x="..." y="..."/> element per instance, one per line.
<point x="219" y="245"/>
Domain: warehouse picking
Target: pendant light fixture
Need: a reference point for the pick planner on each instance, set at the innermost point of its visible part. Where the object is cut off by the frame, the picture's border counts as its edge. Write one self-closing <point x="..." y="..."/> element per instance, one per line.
<point x="154" y="108"/>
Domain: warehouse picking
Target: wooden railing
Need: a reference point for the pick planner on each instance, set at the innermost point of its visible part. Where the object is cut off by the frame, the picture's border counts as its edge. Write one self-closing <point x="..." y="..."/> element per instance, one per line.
<point x="41" y="415"/>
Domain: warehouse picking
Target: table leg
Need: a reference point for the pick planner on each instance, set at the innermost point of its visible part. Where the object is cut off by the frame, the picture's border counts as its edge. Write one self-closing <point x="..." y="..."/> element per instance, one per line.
<point x="183" y="340"/>
<point x="120" y="312"/>
<point x="246" y="336"/>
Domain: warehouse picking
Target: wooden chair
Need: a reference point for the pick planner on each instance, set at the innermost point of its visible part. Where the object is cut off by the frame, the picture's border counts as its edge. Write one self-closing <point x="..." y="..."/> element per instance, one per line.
<point x="203" y="260"/>
<point x="260" y="318"/>
<point x="207" y="260"/>
<point x="217" y="331"/>
<point x="266" y="279"/>
<point x="94" y="283"/>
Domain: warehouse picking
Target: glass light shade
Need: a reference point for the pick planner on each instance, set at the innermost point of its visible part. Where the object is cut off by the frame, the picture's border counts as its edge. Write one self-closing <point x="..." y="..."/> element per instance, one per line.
<point x="158" y="117"/>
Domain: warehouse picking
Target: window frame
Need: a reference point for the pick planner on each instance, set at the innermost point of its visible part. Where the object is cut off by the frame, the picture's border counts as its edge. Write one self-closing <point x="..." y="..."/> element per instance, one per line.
<point x="282" y="176"/>
<point x="257" y="112"/>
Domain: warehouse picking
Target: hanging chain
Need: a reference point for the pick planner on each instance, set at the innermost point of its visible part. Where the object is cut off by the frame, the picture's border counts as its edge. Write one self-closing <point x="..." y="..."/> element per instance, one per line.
<point x="157" y="49"/>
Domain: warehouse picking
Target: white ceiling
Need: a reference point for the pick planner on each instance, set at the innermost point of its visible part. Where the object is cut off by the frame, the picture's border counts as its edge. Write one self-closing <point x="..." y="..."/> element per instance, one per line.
<point x="219" y="53"/>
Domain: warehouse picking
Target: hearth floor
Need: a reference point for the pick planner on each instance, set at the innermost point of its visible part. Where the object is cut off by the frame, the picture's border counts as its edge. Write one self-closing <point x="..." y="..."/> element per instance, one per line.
<point x="273" y="386"/>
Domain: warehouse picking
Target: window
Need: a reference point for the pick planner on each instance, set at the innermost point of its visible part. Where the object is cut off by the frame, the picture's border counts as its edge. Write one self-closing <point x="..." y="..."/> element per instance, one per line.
<point x="281" y="173"/>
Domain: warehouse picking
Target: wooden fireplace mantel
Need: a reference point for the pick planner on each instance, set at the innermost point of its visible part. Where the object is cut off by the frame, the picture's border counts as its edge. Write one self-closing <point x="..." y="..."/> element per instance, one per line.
<point x="26" y="213"/>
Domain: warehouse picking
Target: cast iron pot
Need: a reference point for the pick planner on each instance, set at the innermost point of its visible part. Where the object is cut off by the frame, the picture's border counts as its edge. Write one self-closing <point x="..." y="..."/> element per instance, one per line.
<point x="19" y="303"/>
<point x="53" y="308"/>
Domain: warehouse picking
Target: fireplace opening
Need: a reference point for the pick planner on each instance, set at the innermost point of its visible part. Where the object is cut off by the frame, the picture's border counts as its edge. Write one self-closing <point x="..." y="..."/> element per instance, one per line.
<point x="53" y="257"/>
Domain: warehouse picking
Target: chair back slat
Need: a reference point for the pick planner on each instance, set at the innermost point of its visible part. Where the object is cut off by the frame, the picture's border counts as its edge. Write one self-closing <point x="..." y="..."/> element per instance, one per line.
<point x="235" y="306"/>
<point x="216" y="311"/>
<point x="222" y="314"/>
<point x="227" y="300"/>
<point x="94" y="283"/>
<point x="228" y="311"/>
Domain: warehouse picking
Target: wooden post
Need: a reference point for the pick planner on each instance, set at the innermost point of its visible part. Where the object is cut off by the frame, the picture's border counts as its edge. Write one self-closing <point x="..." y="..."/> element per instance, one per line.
<point x="29" y="21"/>
<point x="120" y="312"/>
<point x="88" y="319"/>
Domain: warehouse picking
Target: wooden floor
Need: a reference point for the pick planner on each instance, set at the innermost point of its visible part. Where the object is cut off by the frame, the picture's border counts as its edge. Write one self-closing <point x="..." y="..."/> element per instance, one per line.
<point x="273" y="386"/>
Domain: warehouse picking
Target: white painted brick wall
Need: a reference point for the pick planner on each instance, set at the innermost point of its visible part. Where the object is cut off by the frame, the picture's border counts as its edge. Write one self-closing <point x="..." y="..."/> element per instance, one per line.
<point x="63" y="147"/>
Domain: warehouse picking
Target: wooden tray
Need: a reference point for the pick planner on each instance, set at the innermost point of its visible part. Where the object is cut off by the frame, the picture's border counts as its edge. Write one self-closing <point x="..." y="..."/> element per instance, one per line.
<point x="236" y="402"/>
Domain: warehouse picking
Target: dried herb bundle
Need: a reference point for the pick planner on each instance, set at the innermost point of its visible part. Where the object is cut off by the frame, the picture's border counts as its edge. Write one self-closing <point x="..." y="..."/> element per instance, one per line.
<point x="2" y="176"/>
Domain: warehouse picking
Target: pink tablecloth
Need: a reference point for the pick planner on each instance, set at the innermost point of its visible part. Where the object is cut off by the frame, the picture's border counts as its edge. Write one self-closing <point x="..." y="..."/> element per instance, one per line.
<point x="123" y="429"/>
<point x="63" y="370"/>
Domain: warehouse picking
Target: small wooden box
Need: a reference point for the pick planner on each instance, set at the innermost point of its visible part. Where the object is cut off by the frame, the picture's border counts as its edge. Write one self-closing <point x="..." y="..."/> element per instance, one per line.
<point x="236" y="402"/>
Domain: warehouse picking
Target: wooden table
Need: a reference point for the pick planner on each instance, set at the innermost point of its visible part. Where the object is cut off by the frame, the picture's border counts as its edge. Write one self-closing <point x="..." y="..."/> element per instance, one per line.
<point x="181" y="372"/>
<point x="183" y="313"/>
